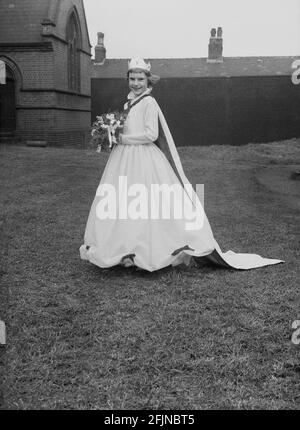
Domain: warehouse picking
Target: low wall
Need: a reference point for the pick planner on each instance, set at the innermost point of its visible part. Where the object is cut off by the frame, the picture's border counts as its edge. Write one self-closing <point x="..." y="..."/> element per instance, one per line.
<point x="207" y="111"/>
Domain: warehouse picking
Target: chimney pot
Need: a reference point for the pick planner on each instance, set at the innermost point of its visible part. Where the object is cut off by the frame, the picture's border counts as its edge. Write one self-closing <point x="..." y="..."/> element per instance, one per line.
<point x="100" y="50"/>
<point x="215" y="47"/>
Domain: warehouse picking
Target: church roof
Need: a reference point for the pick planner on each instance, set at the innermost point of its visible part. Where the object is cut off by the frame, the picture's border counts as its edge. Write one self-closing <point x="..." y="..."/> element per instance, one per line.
<point x="199" y="67"/>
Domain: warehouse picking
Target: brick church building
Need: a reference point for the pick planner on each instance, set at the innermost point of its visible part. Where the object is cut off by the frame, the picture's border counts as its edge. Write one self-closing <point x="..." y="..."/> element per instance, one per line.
<point x="45" y="47"/>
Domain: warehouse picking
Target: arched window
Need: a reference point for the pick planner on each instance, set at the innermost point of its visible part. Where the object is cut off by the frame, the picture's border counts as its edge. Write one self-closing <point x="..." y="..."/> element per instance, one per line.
<point x="74" y="43"/>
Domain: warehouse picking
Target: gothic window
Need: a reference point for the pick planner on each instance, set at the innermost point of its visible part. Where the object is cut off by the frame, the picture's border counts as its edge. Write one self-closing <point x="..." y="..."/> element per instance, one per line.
<point x="73" y="39"/>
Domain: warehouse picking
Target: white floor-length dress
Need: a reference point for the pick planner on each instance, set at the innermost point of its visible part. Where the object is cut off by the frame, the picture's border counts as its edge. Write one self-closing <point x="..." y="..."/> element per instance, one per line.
<point x="152" y="243"/>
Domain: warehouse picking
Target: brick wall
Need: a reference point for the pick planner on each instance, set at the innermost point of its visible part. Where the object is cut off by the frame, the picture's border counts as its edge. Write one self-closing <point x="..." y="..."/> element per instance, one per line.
<point x="36" y="68"/>
<point x="206" y="111"/>
<point x="20" y="20"/>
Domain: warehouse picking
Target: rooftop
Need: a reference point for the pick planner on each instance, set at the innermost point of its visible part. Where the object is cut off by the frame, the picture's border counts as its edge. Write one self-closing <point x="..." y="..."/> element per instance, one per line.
<point x="199" y="67"/>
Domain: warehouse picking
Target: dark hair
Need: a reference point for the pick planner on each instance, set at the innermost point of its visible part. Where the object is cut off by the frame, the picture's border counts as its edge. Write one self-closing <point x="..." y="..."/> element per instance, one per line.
<point x="152" y="79"/>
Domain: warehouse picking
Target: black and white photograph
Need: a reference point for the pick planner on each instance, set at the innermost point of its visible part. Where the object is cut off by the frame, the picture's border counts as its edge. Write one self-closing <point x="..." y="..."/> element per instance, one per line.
<point x="149" y="207"/>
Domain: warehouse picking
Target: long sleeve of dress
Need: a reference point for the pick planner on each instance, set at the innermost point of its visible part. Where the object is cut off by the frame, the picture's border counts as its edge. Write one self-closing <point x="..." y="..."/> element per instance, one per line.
<point x="144" y="124"/>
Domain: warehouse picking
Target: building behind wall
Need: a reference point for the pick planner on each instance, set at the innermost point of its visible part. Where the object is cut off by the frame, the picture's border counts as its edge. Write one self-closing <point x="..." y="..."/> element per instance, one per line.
<point x="213" y="100"/>
<point x="47" y="53"/>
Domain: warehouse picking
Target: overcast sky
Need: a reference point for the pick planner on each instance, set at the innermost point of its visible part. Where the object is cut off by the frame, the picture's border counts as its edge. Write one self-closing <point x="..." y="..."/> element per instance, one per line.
<point x="181" y="28"/>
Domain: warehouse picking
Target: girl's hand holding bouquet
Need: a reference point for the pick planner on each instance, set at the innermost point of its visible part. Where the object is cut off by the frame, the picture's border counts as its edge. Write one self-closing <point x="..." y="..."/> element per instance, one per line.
<point x="106" y="130"/>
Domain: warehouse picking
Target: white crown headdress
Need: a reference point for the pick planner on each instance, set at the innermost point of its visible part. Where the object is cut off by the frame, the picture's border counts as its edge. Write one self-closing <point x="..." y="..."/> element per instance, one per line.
<point x="139" y="63"/>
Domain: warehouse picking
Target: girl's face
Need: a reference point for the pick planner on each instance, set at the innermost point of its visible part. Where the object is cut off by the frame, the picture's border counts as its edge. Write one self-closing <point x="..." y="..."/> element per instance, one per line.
<point x="138" y="82"/>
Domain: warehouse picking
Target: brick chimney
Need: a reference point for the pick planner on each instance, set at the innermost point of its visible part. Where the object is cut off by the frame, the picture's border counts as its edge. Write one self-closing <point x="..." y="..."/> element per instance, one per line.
<point x="215" y="47"/>
<point x="100" y="50"/>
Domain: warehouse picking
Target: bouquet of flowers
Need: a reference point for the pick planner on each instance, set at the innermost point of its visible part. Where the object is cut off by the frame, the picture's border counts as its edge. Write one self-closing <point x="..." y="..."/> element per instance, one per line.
<point x="106" y="130"/>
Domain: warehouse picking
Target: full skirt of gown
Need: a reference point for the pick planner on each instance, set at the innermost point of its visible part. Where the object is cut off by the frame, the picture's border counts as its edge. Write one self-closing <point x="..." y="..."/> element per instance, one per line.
<point x="151" y="243"/>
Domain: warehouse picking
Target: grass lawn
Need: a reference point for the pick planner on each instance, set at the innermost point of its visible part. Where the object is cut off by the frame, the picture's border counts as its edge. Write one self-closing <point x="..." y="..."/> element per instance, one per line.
<point x="79" y="337"/>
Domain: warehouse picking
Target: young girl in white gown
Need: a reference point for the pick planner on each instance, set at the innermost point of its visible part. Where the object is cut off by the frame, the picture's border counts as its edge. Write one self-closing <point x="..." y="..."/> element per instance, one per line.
<point x="125" y="229"/>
